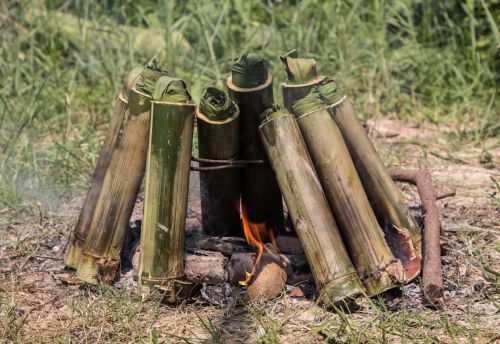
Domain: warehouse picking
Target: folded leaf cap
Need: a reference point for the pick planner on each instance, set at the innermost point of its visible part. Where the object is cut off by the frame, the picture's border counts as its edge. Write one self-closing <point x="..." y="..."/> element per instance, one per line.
<point x="324" y="94"/>
<point x="171" y="89"/>
<point x="299" y="70"/>
<point x="250" y="70"/>
<point x="216" y="104"/>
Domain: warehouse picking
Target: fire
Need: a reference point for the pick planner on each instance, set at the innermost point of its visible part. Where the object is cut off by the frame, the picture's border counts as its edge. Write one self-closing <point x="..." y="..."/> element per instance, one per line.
<point x="257" y="235"/>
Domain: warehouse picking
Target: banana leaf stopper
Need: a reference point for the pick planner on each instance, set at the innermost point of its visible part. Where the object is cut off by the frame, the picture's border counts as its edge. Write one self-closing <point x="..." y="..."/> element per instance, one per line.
<point x="272" y="112"/>
<point x="329" y="92"/>
<point x="149" y="77"/>
<point x="325" y="94"/>
<point x="250" y="70"/>
<point x="171" y="89"/>
<point x="216" y="104"/>
<point x="299" y="70"/>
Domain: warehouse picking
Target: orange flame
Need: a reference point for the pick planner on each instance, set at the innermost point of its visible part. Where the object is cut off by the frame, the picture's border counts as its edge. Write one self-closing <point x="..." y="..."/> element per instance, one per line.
<point x="257" y="235"/>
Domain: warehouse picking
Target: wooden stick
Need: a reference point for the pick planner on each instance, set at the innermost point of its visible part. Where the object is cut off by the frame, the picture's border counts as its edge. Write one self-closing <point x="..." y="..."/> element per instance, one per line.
<point x="166" y="192"/>
<point x="373" y="260"/>
<point x="115" y="204"/>
<point x="81" y="229"/>
<point x="308" y="207"/>
<point x="220" y="189"/>
<point x="259" y="189"/>
<point x="401" y="175"/>
<point x="431" y="274"/>
<point x="401" y="231"/>
<point x="409" y="176"/>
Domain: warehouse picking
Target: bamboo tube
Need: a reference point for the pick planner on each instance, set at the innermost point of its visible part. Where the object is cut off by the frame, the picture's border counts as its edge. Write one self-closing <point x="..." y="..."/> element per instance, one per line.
<point x="401" y="231"/>
<point x="80" y="231"/>
<point x="250" y="86"/>
<point x="101" y="252"/>
<point x="167" y="184"/>
<point x="218" y="139"/>
<point x="372" y="258"/>
<point x="301" y="74"/>
<point x="308" y="207"/>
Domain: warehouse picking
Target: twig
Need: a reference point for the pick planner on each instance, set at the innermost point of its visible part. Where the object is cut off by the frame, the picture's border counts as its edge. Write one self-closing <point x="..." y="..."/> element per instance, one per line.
<point x="409" y="176"/>
<point x="405" y="176"/>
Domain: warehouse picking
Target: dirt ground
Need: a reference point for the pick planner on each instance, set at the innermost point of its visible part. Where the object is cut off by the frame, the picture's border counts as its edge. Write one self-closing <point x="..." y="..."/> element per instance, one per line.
<point x="36" y="306"/>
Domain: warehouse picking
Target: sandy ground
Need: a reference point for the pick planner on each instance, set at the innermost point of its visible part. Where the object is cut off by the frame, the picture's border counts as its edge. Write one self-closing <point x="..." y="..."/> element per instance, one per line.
<point x="36" y="306"/>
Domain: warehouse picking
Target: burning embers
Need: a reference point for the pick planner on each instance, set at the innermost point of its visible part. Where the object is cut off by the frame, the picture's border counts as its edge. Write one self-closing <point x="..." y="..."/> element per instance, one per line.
<point x="258" y="235"/>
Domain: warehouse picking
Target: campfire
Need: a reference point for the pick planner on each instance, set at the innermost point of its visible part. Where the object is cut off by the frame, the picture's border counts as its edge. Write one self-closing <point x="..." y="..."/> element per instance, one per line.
<point x="292" y="194"/>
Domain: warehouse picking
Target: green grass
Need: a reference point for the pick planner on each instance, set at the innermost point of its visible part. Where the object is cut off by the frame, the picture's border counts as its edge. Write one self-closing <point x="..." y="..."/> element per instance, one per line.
<point x="60" y="73"/>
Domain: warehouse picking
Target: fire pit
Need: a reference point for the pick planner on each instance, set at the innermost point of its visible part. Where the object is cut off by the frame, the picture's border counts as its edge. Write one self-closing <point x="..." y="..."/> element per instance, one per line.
<point x="347" y="228"/>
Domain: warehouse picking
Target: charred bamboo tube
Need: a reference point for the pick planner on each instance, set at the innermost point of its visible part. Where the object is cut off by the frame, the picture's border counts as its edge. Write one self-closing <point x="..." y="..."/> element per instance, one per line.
<point x="333" y="272"/>
<point x="250" y="86"/>
<point x="301" y="75"/>
<point x="80" y="231"/>
<point x="101" y="251"/>
<point x="401" y="231"/>
<point x="218" y="138"/>
<point x="167" y="184"/>
<point x="372" y="258"/>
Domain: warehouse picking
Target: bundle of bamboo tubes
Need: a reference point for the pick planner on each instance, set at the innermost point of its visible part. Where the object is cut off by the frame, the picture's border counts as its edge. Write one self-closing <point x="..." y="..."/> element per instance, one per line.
<point x="356" y="232"/>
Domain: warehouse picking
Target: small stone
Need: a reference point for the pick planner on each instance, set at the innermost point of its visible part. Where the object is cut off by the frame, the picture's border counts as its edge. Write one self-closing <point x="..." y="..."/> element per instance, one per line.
<point x="478" y="286"/>
<point x="296" y="292"/>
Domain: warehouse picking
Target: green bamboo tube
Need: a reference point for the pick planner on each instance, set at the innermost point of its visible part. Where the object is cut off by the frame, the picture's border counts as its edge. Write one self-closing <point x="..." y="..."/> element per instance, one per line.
<point x="301" y="75"/>
<point x="167" y="185"/>
<point x="80" y="231"/>
<point x="218" y="139"/>
<point x="308" y="207"/>
<point x="101" y="251"/>
<point x="364" y="239"/>
<point x="250" y="86"/>
<point x="401" y="231"/>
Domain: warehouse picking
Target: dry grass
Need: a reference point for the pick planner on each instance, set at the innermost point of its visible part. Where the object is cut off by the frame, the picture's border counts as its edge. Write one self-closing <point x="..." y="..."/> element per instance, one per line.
<point x="37" y="307"/>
